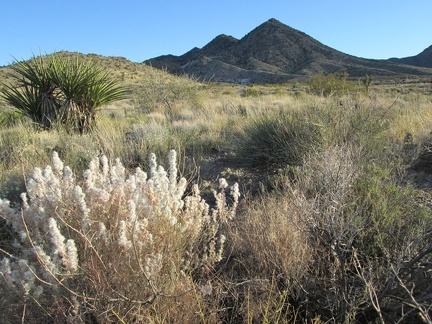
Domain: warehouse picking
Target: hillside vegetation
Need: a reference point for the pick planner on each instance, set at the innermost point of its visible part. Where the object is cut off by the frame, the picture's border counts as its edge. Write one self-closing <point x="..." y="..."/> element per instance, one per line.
<point x="193" y="202"/>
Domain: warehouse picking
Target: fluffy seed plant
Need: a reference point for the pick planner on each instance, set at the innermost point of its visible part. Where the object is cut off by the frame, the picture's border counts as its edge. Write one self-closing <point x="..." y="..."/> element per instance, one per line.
<point x="111" y="249"/>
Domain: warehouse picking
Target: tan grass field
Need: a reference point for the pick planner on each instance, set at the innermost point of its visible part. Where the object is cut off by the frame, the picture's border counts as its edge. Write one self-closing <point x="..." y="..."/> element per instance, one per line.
<point x="341" y="234"/>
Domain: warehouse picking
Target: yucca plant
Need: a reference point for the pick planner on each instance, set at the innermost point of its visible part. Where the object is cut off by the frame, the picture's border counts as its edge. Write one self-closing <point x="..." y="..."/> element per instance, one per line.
<point x="57" y="91"/>
<point x="33" y="93"/>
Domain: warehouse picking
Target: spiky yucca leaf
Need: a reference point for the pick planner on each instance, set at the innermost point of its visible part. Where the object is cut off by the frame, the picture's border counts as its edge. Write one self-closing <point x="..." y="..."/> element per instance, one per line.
<point x="105" y="91"/>
<point x="39" y="107"/>
<point x="72" y="77"/>
<point x="34" y="72"/>
<point x="84" y="88"/>
<point x="34" y="92"/>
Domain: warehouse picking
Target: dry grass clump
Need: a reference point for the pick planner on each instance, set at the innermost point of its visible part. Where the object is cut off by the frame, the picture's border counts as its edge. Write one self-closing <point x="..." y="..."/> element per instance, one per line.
<point x="270" y="254"/>
<point x="295" y="240"/>
<point x="24" y="148"/>
<point x="274" y="142"/>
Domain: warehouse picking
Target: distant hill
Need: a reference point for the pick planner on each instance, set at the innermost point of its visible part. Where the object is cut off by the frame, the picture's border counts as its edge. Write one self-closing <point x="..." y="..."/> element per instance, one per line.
<point x="274" y="52"/>
<point x="423" y="59"/>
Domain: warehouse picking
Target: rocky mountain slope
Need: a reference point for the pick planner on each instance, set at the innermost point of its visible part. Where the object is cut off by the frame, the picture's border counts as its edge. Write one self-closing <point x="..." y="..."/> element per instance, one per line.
<point x="423" y="59"/>
<point x="274" y="52"/>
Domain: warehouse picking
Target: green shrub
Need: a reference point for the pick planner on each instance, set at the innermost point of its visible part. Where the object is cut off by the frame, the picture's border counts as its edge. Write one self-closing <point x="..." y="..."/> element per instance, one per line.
<point x="11" y="118"/>
<point x="367" y="81"/>
<point x="161" y="89"/>
<point x="352" y="120"/>
<point x="394" y="218"/>
<point x="251" y="92"/>
<point x="329" y="84"/>
<point x="276" y="142"/>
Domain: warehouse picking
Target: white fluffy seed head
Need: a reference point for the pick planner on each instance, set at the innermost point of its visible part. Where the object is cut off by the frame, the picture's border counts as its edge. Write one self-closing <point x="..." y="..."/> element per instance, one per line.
<point x="152" y="164"/>
<point x="223" y="183"/>
<point x="57" y="239"/>
<point x="57" y="163"/>
<point x="172" y="162"/>
<point x="72" y="255"/>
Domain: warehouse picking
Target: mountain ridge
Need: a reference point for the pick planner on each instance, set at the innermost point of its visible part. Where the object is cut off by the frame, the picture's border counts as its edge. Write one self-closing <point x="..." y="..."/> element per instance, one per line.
<point x="423" y="59"/>
<point x="274" y="52"/>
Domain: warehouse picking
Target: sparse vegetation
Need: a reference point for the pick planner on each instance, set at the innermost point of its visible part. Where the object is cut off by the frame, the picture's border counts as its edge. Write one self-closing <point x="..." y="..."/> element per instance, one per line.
<point x="333" y="224"/>
<point x="367" y="81"/>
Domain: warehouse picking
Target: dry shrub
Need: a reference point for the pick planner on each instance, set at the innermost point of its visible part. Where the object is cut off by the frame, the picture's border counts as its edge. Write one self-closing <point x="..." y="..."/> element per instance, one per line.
<point x="341" y="241"/>
<point x="366" y="232"/>
<point x="270" y="256"/>
<point x="289" y="246"/>
<point x="270" y="240"/>
<point x="334" y="222"/>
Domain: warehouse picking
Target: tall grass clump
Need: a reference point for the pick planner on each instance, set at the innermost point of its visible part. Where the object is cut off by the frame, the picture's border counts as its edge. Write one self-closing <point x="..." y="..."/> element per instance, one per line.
<point x="271" y="258"/>
<point x="118" y="247"/>
<point x="23" y="148"/>
<point x="10" y="118"/>
<point x="354" y="120"/>
<point x="272" y="142"/>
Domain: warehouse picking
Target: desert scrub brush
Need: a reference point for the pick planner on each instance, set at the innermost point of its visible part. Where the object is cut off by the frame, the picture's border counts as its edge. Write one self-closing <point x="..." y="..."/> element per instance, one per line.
<point x="116" y="239"/>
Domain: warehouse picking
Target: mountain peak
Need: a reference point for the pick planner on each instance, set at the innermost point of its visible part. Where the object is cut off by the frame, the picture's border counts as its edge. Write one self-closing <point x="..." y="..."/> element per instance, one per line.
<point x="274" y="21"/>
<point x="274" y="24"/>
<point x="219" y="44"/>
<point x="274" y="52"/>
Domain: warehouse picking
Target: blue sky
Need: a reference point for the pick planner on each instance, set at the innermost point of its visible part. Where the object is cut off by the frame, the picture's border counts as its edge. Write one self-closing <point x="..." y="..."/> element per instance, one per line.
<point x="142" y="29"/>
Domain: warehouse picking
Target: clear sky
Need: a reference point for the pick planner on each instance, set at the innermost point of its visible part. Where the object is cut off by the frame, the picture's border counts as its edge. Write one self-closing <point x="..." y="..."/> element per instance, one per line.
<point x="143" y="29"/>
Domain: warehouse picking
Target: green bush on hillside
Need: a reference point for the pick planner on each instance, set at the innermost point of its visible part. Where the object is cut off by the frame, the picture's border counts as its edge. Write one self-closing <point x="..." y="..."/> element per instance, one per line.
<point x="161" y="89"/>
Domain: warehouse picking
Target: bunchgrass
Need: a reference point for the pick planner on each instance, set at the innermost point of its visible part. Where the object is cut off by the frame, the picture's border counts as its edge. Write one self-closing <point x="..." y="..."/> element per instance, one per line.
<point x="270" y="143"/>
